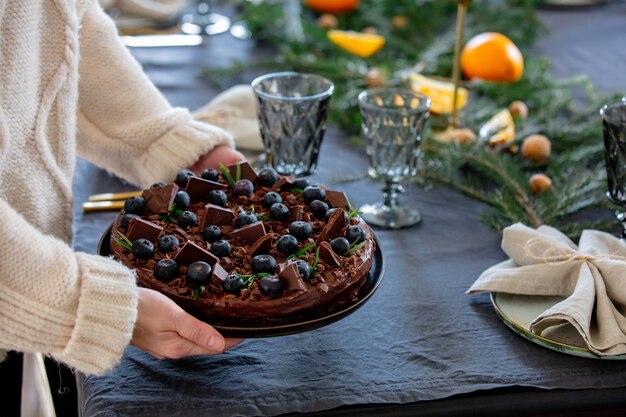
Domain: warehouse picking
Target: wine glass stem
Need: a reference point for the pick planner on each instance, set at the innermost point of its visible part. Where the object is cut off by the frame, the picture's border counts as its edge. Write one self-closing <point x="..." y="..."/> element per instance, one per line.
<point x="390" y="193"/>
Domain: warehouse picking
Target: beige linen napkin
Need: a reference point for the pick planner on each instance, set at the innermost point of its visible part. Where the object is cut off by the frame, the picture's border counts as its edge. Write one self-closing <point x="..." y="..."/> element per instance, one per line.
<point x="591" y="278"/>
<point x="234" y="110"/>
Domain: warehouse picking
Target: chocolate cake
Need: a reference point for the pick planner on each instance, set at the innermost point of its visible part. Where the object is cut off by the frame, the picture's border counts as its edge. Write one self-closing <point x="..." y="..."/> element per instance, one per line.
<point x="240" y="248"/>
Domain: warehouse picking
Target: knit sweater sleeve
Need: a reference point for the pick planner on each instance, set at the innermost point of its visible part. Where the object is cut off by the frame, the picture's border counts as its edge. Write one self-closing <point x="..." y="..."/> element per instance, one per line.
<point x="75" y="307"/>
<point x="124" y="123"/>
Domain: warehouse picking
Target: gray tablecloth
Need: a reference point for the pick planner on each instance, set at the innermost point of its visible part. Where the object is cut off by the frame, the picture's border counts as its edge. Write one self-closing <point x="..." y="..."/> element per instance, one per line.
<point x="419" y="337"/>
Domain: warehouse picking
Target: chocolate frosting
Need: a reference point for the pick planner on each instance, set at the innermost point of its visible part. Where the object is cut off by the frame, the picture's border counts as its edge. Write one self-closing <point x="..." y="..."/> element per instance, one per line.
<point x="250" y="233"/>
<point x="160" y="199"/>
<point x="291" y="278"/>
<point x="198" y="188"/>
<point x="216" y="215"/>
<point x="333" y="228"/>
<point x="139" y="228"/>
<point x="190" y="253"/>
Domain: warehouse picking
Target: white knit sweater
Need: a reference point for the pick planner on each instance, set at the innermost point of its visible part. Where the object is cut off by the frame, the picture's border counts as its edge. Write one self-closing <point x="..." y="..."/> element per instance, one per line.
<point x="68" y="85"/>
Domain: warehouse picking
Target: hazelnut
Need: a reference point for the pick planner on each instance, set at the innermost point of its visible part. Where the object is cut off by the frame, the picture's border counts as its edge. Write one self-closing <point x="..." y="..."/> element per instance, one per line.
<point x="374" y="77"/>
<point x="518" y="109"/>
<point x="462" y="135"/>
<point x="539" y="183"/>
<point x="536" y="147"/>
<point x="327" y="21"/>
<point x="371" y="30"/>
<point x="399" y="22"/>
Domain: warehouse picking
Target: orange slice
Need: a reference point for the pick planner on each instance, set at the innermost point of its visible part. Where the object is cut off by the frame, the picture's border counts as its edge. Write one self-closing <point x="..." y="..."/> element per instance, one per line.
<point x="441" y="93"/>
<point x="499" y="130"/>
<point x="358" y="43"/>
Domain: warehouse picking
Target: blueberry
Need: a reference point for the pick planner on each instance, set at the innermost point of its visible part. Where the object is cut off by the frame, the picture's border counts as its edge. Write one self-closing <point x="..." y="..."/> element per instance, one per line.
<point x="218" y="197"/>
<point x="264" y="263"/>
<point x="135" y="205"/>
<point x="243" y="187"/>
<point x="210" y="174"/>
<point x="187" y="219"/>
<point x="287" y="244"/>
<point x="340" y="245"/>
<point x="301" y="183"/>
<point x="182" y="176"/>
<point x="166" y="270"/>
<point x="319" y="208"/>
<point x="279" y="211"/>
<point x="167" y="243"/>
<point x="244" y="218"/>
<point x="182" y="200"/>
<point x="143" y="249"/>
<point x="267" y="177"/>
<point x="355" y="234"/>
<point x="313" y="192"/>
<point x="221" y="248"/>
<point x="233" y="284"/>
<point x="271" y="198"/>
<point x="300" y="230"/>
<point x="271" y="285"/>
<point x="199" y="273"/>
<point x="304" y="269"/>
<point x="211" y="233"/>
<point x="126" y="218"/>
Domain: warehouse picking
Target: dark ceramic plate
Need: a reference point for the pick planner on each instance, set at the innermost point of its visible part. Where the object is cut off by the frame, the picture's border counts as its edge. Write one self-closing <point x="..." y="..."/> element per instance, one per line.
<point x="372" y="283"/>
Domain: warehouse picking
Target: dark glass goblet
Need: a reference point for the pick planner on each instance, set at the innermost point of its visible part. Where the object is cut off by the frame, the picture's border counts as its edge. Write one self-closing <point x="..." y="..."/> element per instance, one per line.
<point x="614" y="131"/>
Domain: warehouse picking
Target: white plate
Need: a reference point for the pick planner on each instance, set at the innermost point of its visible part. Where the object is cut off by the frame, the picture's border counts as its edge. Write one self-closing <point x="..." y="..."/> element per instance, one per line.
<point x="518" y="311"/>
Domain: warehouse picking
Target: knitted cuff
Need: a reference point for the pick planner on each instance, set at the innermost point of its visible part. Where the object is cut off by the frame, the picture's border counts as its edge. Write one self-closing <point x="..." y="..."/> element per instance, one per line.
<point x="105" y="317"/>
<point x="180" y="148"/>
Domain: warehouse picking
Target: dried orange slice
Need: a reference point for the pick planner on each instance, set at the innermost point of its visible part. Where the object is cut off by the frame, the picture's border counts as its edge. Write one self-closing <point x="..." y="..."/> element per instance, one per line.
<point x="441" y="93"/>
<point x="332" y="6"/>
<point x="358" y="43"/>
<point x="492" y="56"/>
<point x="499" y="130"/>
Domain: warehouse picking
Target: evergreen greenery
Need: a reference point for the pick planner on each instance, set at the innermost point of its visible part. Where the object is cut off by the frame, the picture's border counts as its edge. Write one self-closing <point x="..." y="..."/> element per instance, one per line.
<point x="566" y="111"/>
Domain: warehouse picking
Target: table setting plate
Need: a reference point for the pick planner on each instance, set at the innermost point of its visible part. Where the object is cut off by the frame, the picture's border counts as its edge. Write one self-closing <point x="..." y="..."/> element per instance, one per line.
<point x="376" y="274"/>
<point x="518" y="311"/>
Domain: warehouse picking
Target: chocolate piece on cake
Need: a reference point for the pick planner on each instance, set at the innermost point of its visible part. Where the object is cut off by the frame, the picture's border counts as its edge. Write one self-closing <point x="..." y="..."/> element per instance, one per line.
<point x="199" y="188"/>
<point x="328" y="255"/>
<point x="249" y="233"/>
<point x="190" y="253"/>
<point x="216" y="216"/>
<point x="336" y="223"/>
<point x="139" y="228"/>
<point x="160" y="199"/>
<point x="245" y="170"/>
<point x="291" y="278"/>
<point x="337" y="199"/>
<point x="262" y="246"/>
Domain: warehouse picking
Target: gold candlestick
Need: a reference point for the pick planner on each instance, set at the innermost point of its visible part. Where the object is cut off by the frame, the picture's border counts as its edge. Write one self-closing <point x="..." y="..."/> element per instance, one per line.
<point x="456" y="64"/>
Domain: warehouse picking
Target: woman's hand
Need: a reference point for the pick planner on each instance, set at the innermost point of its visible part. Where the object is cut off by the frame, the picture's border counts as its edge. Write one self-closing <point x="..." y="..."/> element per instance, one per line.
<point x="212" y="159"/>
<point x="165" y="330"/>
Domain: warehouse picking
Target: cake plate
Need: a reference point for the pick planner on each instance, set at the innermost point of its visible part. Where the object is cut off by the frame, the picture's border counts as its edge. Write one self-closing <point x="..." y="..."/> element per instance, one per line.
<point x="365" y="293"/>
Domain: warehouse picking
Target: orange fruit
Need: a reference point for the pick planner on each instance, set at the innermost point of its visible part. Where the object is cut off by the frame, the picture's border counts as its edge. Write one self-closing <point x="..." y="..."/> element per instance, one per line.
<point x="441" y="93"/>
<point x="492" y="56"/>
<point x="358" y="43"/>
<point x="332" y="6"/>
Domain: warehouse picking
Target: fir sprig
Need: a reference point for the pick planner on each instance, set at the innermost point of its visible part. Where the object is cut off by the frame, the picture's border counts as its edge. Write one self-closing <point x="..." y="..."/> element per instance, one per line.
<point x="227" y="175"/>
<point x="300" y="253"/>
<point x="124" y="241"/>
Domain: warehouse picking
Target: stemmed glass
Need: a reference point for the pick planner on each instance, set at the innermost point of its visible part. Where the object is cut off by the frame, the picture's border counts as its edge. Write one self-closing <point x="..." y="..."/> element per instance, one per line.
<point x="614" y="132"/>
<point x="202" y="21"/>
<point x="393" y="122"/>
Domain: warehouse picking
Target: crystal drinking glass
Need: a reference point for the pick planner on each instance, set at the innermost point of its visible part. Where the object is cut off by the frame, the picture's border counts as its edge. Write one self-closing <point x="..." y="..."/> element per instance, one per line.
<point x="614" y="131"/>
<point x="292" y="109"/>
<point x="393" y="122"/>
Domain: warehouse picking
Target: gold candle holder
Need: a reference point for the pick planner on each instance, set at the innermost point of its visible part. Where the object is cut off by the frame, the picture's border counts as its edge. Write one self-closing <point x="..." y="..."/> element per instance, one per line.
<point x="456" y="64"/>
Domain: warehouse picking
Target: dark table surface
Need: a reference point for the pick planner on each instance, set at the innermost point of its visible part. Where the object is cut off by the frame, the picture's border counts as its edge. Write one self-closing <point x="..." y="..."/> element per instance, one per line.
<point x="420" y="346"/>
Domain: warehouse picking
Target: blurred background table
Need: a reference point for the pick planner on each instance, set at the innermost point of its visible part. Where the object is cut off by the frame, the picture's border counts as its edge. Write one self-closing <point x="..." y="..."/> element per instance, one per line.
<point x="420" y="346"/>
